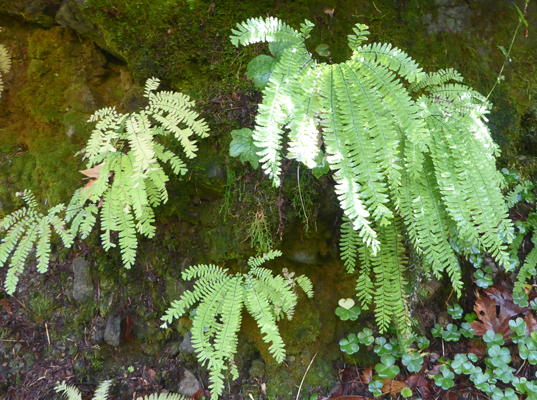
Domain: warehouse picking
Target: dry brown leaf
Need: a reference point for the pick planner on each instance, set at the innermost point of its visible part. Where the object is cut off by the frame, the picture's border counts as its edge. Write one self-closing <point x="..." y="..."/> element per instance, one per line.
<point x="422" y="384"/>
<point x="504" y="299"/>
<point x="531" y="324"/>
<point x="92" y="172"/>
<point x="367" y="375"/>
<point x="392" y="387"/>
<point x="6" y="306"/>
<point x="485" y="309"/>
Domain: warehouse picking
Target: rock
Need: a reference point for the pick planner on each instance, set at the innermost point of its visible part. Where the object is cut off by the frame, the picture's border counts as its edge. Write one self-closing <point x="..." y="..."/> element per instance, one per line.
<point x="173" y="349"/>
<point x="443" y="319"/>
<point x="186" y="345"/>
<point x="189" y="384"/>
<point x="82" y="286"/>
<point x="70" y="15"/>
<point x="112" y="332"/>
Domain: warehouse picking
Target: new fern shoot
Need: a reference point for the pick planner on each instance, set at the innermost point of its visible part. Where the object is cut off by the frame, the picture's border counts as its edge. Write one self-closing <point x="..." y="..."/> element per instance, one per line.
<point x="221" y="298"/>
<point x="410" y="154"/>
<point x="126" y="161"/>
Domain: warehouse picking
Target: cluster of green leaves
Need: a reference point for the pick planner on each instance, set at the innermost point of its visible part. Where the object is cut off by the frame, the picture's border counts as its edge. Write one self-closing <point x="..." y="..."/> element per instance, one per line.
<point x="221" y="298"/>
<point x="496" y="361"/>
<point x="409" y="151"/>
<point x="101" y="393"/>
<point x="126" y="161"/>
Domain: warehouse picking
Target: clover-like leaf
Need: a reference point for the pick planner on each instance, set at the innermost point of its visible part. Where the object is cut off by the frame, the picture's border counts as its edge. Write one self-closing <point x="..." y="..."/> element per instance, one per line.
<point x="451" y="334"/>
<point x="466" y="330"/>
<point x="483" y="280"/>
<point x="387" y="369"/>
<point x="412" y="362"/>
<point x="350" y="344"/>
<point x="366" y="336"/>
<point x="493" y="338"/>
<point x="498" y="356"/>
<point x="437" y="331"/>
<point x="375" y="387"/>
<point x="455" y="311"/>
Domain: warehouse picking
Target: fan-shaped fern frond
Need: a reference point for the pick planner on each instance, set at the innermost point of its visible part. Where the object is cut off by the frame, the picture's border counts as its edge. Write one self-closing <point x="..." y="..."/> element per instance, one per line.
<point x="101" y="393"/>
<point x="25" y="229"/>
<point x="125" y="162"/>
<point x="404" y="147"/>
<point x="131" y="180"/>
<point x="221" y="299"/>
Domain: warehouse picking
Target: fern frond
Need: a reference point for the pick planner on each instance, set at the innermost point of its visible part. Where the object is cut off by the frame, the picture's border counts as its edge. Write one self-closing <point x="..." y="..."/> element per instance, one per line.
<point x="515" y="196"/>
<point x="390" y="57"/>
<point x="258" y="307"/>
<point x="427" y="224"/>
<point x="433" y="79"/>
<point x="221" y="298"/>
<point x="389" y="268"/>
<point x="141" y="141"/>
<point x="361" y="32"/>
<point x="270" y="29"/>
<point x="101" y="393"/>
<point x="305" y="284"/>
<point x="526" y="272"/>
<point x="258" y="261"/>
<point x="349" y="243"/>
<point x="339" y="157"/>
<point x="69" y="391"/>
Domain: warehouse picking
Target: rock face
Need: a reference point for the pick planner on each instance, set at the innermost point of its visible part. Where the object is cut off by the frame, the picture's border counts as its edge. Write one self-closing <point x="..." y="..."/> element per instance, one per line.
<point x="189" y="384"/>
<point x="112" y="332"/>
<point x="82" y="286"/>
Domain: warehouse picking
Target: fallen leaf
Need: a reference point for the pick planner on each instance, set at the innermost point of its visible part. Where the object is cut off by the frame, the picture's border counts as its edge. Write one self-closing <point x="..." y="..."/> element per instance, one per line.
<point x="393" y="387"/>
<point x="6" y="306"/>
<point x="152" y="374"/>
<point x="531" y="324"/>
<point x="367" y="375"/>
<point x="504" y="299"/>
<point x="92" y="172"/>
<point x="489" y="319"/>
<point x="479" y="349"/>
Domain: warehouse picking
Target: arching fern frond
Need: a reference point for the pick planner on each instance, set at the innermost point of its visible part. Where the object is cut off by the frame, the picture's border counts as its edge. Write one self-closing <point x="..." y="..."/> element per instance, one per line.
<point x="404" y="147"/>
<point x="221" y="299"/>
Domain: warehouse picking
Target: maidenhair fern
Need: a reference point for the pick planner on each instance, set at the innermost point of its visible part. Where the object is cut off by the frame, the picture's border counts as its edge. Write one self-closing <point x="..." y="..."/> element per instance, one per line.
<point x="101" y="393"/>
<point x="28" y="228"/>
<point x="410" y="153"/>
<point x="221" y="299"/>
<point x="5" y="64"/>
<point x="125" y="161"/>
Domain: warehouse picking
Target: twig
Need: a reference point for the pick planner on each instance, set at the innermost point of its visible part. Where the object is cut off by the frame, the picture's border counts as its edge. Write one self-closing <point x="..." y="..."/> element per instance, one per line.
<point x="304" y="377"/>
<point x="510" y="47"/>
<point x="48" y="337"/>
<point x="300" y="194"/>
